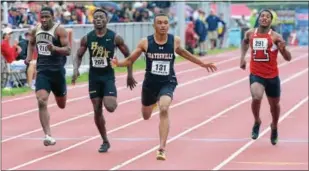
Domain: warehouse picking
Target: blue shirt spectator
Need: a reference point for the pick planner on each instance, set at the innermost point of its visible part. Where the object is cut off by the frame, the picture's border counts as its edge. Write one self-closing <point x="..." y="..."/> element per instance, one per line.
<point x="200" y="30"/>
<point x="212" y="21"/>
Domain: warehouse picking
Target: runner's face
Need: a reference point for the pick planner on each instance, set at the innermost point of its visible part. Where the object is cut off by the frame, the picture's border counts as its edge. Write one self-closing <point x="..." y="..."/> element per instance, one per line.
<point x="46" y="19"/>
<point x="99" y="20"/>
<point x="161" y="24"/>
<point x="265" y="19"/>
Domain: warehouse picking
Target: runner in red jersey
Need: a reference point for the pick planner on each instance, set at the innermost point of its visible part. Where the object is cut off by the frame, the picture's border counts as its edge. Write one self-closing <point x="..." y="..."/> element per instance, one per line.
<point x="265" y="45"/>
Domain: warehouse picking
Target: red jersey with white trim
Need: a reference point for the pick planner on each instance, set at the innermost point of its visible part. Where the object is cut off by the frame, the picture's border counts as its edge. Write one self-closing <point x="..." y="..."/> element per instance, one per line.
<point x="264" y="54"/>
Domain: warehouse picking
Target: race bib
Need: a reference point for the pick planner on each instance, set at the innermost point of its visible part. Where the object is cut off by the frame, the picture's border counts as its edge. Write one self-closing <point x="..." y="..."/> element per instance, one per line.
<point x="260" y="43"/>
<point x="99" y="62"/>
<point x="42" y="49"/>
<point x="160" y="67"/>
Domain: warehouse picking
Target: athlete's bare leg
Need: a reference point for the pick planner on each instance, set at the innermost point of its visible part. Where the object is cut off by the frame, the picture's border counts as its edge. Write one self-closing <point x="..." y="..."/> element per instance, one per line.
<point x="61" y="101"/>
<point x="164" y="104"/>
<point x="275" y="112"/>
<point x="100" y="122"/>
<point x="110" y="103"/>
<point x="42" y="98"/>
<point x="147" y="111"/>
<point x="257" y="91"/>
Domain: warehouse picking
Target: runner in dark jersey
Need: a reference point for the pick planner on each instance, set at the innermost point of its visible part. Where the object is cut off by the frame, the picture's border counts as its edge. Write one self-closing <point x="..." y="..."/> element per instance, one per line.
<point x="160" y="78"/>
<point x="264" y="75"/>
<point x="52" y="44"/>
<point x="101" y="43"/>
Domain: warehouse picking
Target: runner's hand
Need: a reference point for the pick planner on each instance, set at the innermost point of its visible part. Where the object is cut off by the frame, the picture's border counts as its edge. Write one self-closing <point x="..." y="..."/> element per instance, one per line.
<point x="114" y="62"/>
<point x="243" y="64"/>
<point x="209" y="66"/>
<point x="131" y="82"/>
<point x="75" y="76"/>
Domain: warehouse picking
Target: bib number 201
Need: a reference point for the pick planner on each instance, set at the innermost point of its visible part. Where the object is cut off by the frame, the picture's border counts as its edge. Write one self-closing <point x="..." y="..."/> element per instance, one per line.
<point x="260" y="44"/>
<point x="160" y="67"/>
<point x="99" y="62"/>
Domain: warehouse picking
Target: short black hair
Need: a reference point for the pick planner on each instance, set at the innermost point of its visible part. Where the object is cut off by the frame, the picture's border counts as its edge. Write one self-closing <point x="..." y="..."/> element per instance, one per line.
<point x="158" y="15"/>
<point x="48" y="9"/>
<point x="267" y="10"/>
<point x="100" y="10"/>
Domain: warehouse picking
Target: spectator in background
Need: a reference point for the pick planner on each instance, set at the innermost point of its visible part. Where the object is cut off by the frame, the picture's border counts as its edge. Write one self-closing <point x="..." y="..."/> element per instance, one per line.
<point x="30" y="69"/>
<point x="66" y="17"/>
<point x="221" y="30"/>
<point x="173" y="23"/>
<point x="113" y="16"/>
<point x="9" y="52"/>
<point x="201" y="30"/>
<point x="32" y="17"/>
<point x="212" y="22"/>
<point x="14" y="18"/>
<point x="253" y="18"/>
<point x="191" y="37"/>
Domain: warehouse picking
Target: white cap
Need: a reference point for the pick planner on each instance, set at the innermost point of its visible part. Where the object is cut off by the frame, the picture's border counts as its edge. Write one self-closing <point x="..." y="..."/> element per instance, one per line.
<point x="7" y="30"/>
<point x="66" y="14"/>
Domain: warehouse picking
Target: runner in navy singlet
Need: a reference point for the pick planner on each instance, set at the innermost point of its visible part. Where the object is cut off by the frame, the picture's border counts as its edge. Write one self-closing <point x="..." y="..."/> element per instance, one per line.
<point x="101" y="43"/>
<point x="160" y="79"/>
<point x="52" y="44"/>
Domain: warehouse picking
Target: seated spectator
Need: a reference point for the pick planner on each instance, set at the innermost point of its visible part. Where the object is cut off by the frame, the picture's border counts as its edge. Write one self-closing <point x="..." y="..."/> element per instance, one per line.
<point x="9" y="52"/>
<point x="30" y="70"/>
<point x="191" y="37"/>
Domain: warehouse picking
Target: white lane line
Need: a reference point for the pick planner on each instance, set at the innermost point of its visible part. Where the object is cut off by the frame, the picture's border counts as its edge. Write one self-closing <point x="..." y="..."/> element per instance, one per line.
<point x="120" y="76"/>
<point x="155" y="113"/>
<point x="248" y="144"/>
<point x="10" y="116"/>
<point x="217" y="115"/>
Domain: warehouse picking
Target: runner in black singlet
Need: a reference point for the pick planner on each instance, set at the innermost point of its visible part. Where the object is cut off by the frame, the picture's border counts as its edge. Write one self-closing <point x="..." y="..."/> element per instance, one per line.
<point x="52" y="43"/>
<point x="160" y="79"/>
<point x="101" y="43"/>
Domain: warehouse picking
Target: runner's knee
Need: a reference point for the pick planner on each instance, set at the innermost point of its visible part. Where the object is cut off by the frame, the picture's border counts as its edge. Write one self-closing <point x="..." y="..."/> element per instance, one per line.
<point x="61" y="102"/>
<point x="257" y="96"/>
<point x="163" y="110"/>
<point x="146" y="112"/>
<point x="110" y="105"/>
<point x="42" y="101"/>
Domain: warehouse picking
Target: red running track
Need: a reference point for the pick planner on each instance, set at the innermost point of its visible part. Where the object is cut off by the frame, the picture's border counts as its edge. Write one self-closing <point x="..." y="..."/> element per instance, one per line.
<point x="205" y="129"/>
<point x="79" y="92"/>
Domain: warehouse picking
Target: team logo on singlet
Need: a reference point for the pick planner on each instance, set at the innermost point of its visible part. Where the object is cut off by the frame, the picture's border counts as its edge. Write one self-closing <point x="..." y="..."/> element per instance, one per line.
<point x="99" y="55"/>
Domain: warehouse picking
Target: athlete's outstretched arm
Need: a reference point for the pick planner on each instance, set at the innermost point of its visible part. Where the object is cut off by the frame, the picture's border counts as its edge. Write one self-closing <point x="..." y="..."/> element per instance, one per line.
<point x="134" y="55"/>
<point x="125" y="51"/>
<point x="189" y="56"/>
<point x="282" y="48"/>
<point x="79" y="57"/>
<point x="64" y="40"/>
